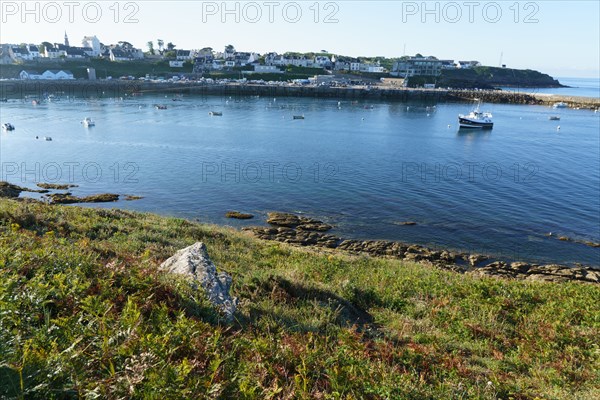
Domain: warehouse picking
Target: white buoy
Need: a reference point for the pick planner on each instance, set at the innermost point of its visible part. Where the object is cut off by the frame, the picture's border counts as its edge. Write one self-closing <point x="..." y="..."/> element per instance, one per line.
<point x="448" y="126"/>
<point x="558" y="128"/>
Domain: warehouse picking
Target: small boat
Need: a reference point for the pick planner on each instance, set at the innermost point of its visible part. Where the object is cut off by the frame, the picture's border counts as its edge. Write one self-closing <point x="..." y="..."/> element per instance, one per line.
<point x="560" y="105"/>
<point x="298" y="117"/>
<point x="476" y="119"/>
<point x="8" y="127"/>
<point x="35" y="102"/>
<point x="87" y="122"/>
<point x="47" y="138"/>
<point x="554" y="118"/>
<point x="160" y="106"/>
<point x="215" y="113"/>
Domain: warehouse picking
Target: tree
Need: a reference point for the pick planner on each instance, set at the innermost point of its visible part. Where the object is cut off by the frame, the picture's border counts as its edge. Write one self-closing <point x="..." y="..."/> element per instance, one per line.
<point x="170" y="46"/>
<point x="161" y="44"/>
<point x="229" y="49"/>
<point x="45" y="46"/>
<point x="150" y="45"/>
<point x="125" y="45"/>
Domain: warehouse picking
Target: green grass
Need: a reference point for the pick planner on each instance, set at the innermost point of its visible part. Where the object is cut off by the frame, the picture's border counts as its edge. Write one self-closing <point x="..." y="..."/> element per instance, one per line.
<point x="84" y="313"/>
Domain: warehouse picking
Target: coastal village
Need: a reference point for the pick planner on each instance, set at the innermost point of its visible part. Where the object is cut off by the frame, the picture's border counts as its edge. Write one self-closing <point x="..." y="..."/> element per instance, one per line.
<point x="190" y="63"/>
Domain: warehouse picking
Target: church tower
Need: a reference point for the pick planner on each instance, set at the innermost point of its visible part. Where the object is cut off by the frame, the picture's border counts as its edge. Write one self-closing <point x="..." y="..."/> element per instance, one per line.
<point x="66" y="39"/>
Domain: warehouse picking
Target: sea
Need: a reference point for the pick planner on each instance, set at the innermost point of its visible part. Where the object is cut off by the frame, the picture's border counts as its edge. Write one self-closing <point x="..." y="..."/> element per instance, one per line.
<point x="365" y="167"/>
<point x="582" y="87"/>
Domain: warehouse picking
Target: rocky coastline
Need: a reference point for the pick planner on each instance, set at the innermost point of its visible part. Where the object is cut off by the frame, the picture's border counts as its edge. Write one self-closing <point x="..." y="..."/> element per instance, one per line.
<point x="309" y="232"/>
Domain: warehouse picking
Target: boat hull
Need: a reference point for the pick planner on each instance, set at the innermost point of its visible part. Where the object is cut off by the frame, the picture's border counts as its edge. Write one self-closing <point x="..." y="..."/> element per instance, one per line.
<point x="470" y="124"/>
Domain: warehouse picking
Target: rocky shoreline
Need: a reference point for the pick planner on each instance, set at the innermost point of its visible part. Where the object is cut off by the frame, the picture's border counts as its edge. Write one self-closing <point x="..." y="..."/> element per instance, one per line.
<point x="303" y="231"/>
<point x="12" y="191"/>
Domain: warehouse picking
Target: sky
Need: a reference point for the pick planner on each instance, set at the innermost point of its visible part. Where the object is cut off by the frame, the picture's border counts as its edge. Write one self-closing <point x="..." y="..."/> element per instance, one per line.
<point x="561" y="38"/>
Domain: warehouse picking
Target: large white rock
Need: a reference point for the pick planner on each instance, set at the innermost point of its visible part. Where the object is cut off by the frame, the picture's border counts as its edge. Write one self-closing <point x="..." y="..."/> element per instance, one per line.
<point x="194" y="262"/>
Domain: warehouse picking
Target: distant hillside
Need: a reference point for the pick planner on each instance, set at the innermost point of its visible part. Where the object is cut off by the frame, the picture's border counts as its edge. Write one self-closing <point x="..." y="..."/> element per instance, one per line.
<point x="483" y="77"/>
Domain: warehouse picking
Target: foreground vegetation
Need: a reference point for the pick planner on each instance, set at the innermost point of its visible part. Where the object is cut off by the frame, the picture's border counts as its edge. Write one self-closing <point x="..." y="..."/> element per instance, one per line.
<point x="84" y="313"/>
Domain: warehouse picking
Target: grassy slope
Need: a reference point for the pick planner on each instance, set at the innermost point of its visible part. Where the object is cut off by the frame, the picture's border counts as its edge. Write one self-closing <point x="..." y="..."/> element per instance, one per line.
<point x="84" y="312"/>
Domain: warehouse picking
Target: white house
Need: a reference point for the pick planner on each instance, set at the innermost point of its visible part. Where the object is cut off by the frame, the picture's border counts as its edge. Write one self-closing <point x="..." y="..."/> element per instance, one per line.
<point x="57" y="74"/>
<point x="371" y="68"/>
<point x="48" y="74"/>
<point x="52" y="52"/>
<point x="93" y="43"/>
<point x="297" y="61"/>
<point x="468" y="64"/>
<point x="176" y="64"/>
<point x="273" y="59"/>
<point x="34" y="50"/>
<point x="25" y="75"/>
<point x="321" y="62"/>
<point x="119" y="55"/>
<point x="184" y="55"/>
<point x="19" y="53"/>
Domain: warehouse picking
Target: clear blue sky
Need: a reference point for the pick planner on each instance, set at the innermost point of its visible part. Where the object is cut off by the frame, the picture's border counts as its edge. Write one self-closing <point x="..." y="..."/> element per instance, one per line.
<point x="556" y="37"/>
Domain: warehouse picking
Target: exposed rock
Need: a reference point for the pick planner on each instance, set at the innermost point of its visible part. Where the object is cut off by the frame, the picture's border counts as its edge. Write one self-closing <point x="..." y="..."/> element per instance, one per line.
<point x="406" y="223"/>
<point x="10" y="190"/>
<point x="193" y="262"/>
<point x="13" y="191"/>
<point x="475" y="259"/>
<point x="55" y="186"/>
<point x="238" y="215"/>
<point x="68" y="198"/>
<point x="295" y="221"/>
<point x="130" y="197"/>
<point x="314" y="226"/>
<point x="520" y="267"/>
<point x="283" y="219"/>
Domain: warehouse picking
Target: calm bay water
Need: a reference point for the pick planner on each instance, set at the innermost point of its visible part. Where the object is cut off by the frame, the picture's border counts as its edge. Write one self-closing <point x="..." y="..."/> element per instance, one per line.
<point x="364" y="167"/>
<point x="584" y="87"/>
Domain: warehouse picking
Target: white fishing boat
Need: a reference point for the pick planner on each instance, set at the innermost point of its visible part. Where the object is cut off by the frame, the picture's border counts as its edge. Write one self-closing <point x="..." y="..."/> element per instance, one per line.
<point x="87" y="122"/>
<point x="8" y="127"/>
<point x="560" y="105"/>
<point x="476" y="119"/>
<point x="215" y="113"/>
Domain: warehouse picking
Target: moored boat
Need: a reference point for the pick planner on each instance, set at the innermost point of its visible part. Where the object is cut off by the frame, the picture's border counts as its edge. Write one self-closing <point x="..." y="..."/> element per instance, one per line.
<point x="298" y="117"/>
<point x="215" y="113"/>
<point x="476" y="119"/>
<point x="554" y="118"/>
<point x="87" y="122"/>
<point x="8" y="127"/>
<point x="560" y="105"/>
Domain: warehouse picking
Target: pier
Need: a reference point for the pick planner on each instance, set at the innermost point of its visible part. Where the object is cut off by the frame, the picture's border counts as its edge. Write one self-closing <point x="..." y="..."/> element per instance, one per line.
<point x="123" y="89"/>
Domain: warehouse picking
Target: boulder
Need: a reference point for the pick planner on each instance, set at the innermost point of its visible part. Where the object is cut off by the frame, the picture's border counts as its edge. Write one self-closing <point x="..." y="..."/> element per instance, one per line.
<point x="193" y="262"/>
<point x="475" y="259"/>
<point x="283" y="219"/>
<point x="238" y="215"/>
